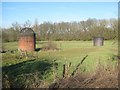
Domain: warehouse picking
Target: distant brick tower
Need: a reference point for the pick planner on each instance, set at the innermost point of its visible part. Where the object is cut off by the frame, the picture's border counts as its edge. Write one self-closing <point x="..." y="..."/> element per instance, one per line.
<point x="27" y="40"/>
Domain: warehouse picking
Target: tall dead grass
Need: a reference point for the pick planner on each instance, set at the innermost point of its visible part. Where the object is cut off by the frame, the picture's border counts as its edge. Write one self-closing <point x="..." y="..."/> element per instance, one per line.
<point x="105" y="76"/>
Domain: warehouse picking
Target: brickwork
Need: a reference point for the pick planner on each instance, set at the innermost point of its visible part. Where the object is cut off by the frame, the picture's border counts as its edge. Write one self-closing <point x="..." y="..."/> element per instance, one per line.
<point x="27" y="43"/>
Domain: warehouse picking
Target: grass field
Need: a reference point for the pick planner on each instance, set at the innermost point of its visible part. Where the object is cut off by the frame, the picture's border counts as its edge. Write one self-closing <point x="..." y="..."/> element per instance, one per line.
<point x="22" y="72"/>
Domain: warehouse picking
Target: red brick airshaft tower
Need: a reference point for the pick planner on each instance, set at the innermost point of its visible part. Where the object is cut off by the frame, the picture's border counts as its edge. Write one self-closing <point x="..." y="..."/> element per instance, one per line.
<point x="27" y="40"/>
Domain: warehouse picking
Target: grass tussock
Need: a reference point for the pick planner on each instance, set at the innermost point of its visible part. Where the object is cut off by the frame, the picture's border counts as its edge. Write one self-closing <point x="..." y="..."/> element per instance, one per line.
<point x="50" y="46"/>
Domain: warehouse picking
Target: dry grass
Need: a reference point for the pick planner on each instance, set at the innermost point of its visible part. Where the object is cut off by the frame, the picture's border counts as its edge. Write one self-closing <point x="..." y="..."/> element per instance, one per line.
<point x="102" y="77"/>
<point x="49" y="46"/>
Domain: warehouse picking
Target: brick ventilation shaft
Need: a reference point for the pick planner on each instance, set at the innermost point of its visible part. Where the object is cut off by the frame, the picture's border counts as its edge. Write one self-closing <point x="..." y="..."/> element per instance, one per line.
<point x="27" y="40"/>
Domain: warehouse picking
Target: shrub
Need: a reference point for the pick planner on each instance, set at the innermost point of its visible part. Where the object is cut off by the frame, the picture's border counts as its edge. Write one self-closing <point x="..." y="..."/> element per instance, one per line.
<point x="49" y="46"/>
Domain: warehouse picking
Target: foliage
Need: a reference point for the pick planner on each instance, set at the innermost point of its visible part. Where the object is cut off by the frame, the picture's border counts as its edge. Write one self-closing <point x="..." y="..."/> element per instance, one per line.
<point x="67" y="31"/>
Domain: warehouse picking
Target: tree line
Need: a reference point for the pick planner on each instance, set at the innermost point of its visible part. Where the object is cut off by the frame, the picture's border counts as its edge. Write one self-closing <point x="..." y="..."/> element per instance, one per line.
<point x="66" y="31"/>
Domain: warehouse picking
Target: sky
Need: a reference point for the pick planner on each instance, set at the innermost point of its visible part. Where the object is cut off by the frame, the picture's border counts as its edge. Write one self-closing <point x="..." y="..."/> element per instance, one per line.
<point x="56" y="11"/>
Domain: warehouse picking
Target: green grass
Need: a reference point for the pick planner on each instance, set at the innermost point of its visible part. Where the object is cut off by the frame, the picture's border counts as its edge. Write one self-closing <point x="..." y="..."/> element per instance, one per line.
<point x="70" y="51"/>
